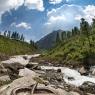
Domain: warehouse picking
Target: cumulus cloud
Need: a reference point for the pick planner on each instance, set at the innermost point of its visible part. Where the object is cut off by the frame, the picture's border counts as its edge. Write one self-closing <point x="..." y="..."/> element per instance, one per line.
<point x="88" y="13"/>
<point x="68" y="16"/>
<point x="34" y="4"/>
<point x="7" y="5"/>
<point x="23" y="25"/>
<point x="63" y="17"/>
<point x="55" y="1"/>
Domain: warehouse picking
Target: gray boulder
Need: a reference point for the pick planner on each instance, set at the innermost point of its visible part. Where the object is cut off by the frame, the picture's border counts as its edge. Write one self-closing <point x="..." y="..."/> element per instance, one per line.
<point x="88" y="87"/>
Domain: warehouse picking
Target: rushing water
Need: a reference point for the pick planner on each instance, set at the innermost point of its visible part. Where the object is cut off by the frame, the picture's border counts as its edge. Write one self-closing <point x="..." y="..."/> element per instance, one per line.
<point x="77" y="78"/>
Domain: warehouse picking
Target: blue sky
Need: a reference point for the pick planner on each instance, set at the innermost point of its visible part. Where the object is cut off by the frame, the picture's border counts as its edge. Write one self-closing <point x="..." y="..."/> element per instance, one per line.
<point x="37" y="18"/>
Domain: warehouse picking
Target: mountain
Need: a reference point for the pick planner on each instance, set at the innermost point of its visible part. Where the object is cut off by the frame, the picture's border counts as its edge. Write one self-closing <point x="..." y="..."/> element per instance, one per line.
<point x="48" y="41"/>
<point x="76" y="46"/>
<point x="14" y="47"/>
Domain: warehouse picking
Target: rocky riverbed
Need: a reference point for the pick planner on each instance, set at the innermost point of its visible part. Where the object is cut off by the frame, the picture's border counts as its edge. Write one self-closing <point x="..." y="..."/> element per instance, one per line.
<point x="20" y="76"/>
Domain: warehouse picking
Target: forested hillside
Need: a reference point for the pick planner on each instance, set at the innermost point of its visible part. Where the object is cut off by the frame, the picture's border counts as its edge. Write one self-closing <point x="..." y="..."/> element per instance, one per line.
<point x="75" y="46"/>
<point x="12" y="43"/>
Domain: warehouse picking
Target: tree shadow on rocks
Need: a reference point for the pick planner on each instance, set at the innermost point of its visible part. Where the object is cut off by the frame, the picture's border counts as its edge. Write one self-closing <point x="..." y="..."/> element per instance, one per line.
<point x="88" y="60"/>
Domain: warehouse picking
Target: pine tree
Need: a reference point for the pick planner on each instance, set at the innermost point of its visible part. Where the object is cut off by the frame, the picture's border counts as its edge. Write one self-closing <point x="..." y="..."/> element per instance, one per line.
<point x="22" y="38"/>
<point x="75" y="31"/>
<point x="58" y="38"/>
<point x="63" y="34"/>
<point x="84" y="27"/>
<point x="32" y="43"/>
<point x="9" y="34"/>
<point x="5" y="33"/>
<point x="13" y="35"/>
<point x="85" y="31"/>
<point x="93" y="25"/>
<point x="69" y="34"/>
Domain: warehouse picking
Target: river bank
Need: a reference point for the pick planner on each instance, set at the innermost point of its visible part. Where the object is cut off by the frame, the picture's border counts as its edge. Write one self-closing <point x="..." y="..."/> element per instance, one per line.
<point x="21" y="71"/>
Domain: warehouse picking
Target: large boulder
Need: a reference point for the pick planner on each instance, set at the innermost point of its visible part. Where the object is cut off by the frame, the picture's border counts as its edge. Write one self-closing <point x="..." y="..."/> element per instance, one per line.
<point x="92" y="70"/>
<point x="17" y="59"/>
<point x="3" y="70"/>
<point x="32" y="65"/>
<point x="88" y="87"/>
<point x="13" y="69"/>
<point x="27" y="72"/>
<point x="83" y="71"/>
<point x="13" y="66"/>
<point x="5" y="78"/>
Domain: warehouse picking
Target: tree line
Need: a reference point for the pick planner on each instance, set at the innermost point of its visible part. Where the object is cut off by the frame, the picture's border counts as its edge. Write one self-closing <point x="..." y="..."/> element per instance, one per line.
<point x="13" y="35"/>
<point x="17" y="36"/>
<point x="85" y="29"/>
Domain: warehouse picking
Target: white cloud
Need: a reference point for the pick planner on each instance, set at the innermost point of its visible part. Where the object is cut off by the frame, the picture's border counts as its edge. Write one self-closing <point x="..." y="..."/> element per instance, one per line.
<point x="68" y="16"/>
<point x="7" y="5"/>
<point x="88" y="13"/>
<point x="34" y="4"/>
<point x="63" y="17"/>
<point x="55" y="1"/>
<point x="23" y="25"/>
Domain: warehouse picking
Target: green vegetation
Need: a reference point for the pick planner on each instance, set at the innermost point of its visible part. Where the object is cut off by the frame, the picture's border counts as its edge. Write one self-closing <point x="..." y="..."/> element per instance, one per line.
<point x="76" y="46"/>
<point x="15" y="45"/>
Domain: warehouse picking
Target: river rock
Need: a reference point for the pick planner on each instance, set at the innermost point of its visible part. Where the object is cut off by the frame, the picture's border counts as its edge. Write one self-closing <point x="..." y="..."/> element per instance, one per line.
<point x="27" y="72"/>
<point x="32" y="65"/>
<point x="3" y="70"/>
<point x="83" y="71"/>
<point x="13" y="69"/>
<point x="14" y="66"/>
<point x="92" y="70"/>
<point x="88" y="87"/>
<point x="5" y="78"/>
<point x="17" y="59"/>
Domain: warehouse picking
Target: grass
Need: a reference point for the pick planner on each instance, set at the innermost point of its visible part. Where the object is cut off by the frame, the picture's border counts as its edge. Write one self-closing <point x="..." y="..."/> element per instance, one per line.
<point x="74" y="50"/>
<point x="14" y="47"/>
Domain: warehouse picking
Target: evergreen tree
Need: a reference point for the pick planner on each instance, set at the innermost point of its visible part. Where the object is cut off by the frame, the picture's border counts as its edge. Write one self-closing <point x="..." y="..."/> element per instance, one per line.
<point x="75" y="31"/>
<point x="84" y="27"/>
<point x="69" y="34"/>
<point x="22" y="38"/>
<point x="63" y="35"/>
<point x="58" y="37"/>
<point x="13" y="35"/>
<point x="5" y="33"/>
<point x="93" y="25"/>
<point x="9" y="34"/>
<point x="32" y="43"/>
<point x="85" y="31"/>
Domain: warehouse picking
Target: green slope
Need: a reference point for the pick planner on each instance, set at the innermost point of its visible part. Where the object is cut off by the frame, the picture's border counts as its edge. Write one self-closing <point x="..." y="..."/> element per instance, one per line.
<point x="72" y="51"/>
<point x="14" y="47"/>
